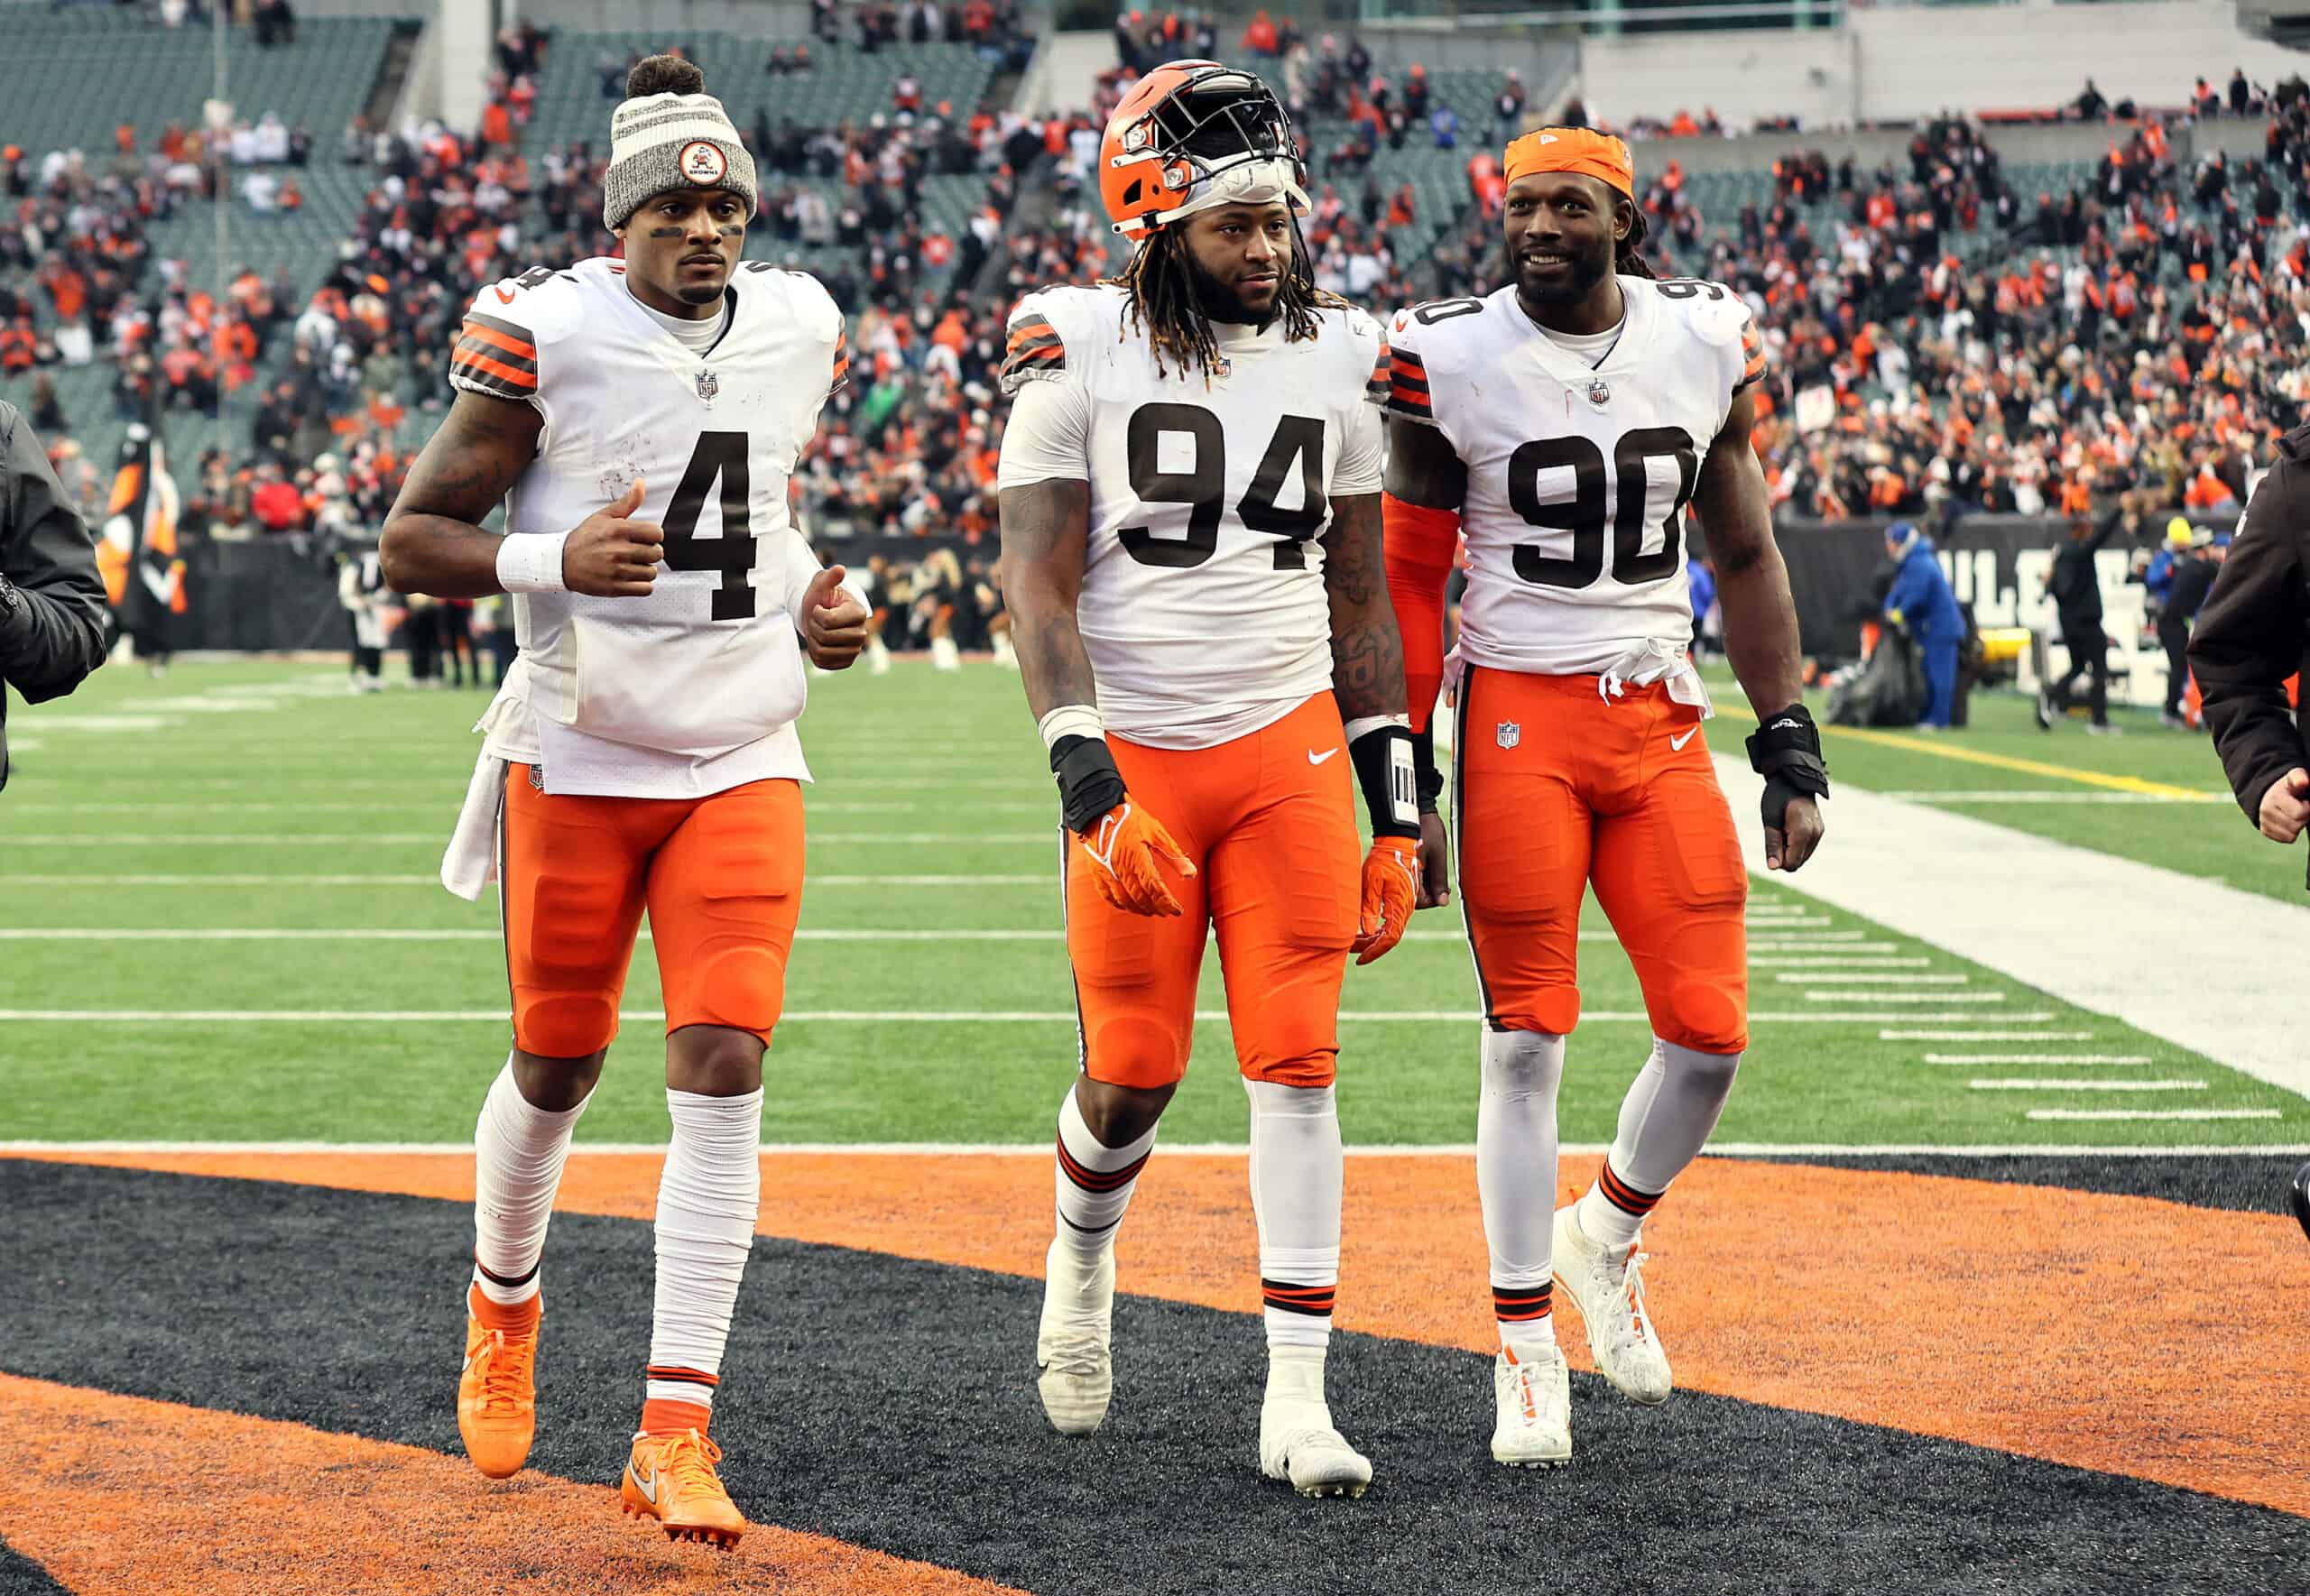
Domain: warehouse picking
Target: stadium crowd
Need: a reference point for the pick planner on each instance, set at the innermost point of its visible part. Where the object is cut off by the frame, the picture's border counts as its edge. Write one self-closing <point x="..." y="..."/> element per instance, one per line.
<point x="1942" y="343"/>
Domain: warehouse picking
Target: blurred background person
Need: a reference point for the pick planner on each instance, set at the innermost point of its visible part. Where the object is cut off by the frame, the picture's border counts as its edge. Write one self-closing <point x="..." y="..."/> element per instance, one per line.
<point x="1921" y="600"/>
<point x="2075" y="587"/>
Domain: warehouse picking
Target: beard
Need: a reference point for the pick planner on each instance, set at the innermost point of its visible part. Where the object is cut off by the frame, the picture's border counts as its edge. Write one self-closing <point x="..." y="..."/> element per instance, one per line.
<point x="1219" y="301"/>
<point x="1588" y="271"/>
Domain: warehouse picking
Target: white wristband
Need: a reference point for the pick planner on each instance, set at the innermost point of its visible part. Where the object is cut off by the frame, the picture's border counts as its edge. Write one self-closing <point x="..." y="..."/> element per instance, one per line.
<point x="1071" y="720"/>
<point x="1358" y="728"/>
<point x="531" y="562"/>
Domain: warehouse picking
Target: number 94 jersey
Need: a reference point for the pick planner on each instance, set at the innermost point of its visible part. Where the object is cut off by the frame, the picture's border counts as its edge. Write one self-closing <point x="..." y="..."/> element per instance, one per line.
<point x="1203" y="606"/>
<point x="1578" y="476"/>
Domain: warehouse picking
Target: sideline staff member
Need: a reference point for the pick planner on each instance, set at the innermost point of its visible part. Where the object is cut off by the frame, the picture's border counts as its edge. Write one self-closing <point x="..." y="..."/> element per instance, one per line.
<point x="2251" y="636"/>
<point x="51" y="599"/>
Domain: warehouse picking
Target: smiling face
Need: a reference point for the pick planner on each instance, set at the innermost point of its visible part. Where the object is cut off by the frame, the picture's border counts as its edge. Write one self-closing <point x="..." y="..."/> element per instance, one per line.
<point x="1561" y="228"/>
<point x="1238" y="254"/>
<point x="682" y="247"/>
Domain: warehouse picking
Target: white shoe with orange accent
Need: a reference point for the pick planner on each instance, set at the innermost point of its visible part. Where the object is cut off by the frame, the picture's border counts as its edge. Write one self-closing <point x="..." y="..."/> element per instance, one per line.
<point x="1531" y="1397"/>
<point x="1607" y="1285"/>
<point x="1074" y="1345"/>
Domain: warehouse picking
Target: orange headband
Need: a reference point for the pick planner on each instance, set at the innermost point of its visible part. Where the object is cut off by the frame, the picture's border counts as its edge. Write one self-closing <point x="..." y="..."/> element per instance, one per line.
<point x="1597" y="155"/>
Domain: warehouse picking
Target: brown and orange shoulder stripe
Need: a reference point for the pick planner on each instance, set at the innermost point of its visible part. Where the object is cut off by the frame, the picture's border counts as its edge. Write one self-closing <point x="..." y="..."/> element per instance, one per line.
<point x="1380" y="384"/>
<point x="495" y="357"/>
<point x="841" y="361"/>
<point x="1753" y="357"/>
<point x="1034" y="346"/>
<point x="1408" y="394"/>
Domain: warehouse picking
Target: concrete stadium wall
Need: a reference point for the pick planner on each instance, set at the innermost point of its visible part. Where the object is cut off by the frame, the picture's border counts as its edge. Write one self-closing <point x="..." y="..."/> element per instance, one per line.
<point x="759" y="19"/>
<point x="1898" y="64"/>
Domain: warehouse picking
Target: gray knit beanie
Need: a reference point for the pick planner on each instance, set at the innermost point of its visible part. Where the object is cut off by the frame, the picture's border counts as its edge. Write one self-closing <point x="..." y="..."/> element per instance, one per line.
<point x="669" y="132"/>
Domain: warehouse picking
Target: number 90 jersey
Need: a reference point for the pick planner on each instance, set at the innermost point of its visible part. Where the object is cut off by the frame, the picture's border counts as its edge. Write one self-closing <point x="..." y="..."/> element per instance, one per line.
<point x="1203" y="606"/>
<point x="639" y="696"/>
<point x="1578" y="476"/>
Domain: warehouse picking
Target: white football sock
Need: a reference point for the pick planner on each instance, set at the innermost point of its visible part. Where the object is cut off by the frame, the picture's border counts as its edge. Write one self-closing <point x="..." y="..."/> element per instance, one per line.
<point x="1516" y="1163"/>
<point x="1666" y="1119"/>
<point x="518" y="1151"/>
<point x="1297" y="1171"/>
<point x="708" y="1201"/>
<point x="1094" y="1182"/>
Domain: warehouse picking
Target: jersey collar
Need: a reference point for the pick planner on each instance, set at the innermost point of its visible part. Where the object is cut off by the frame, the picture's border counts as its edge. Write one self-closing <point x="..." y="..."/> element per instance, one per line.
<point x="1637" y="305"/>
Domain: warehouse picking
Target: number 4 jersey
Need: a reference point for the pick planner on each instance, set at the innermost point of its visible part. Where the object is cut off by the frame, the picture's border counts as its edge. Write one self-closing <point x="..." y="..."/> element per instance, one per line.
<point x="1203" y="606"/>
<point x="1578" y="474"/>
<point x="694" y="688"/>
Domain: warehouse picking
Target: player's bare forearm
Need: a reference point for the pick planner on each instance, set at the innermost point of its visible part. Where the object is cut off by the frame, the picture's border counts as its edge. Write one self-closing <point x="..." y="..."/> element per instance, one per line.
<point x="1046" y="529"/>
<point x="432" y="541"/>
<point x="1367" y="653"/>
<point x="1751" y="582"/>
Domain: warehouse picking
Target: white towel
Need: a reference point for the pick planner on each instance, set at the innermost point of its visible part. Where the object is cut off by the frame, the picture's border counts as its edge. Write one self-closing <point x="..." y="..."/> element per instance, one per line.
<point x="469" y="864"/>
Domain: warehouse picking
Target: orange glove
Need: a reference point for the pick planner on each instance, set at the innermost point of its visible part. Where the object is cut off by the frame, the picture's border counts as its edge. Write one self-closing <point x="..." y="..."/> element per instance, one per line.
<point x="1390" y="887"/>
<point x="1124" y="849"/>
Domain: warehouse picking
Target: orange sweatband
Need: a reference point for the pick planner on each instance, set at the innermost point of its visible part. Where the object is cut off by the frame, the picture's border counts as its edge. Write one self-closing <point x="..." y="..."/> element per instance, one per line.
<point x="1420" y="543"/>
<point x="1597" y="155"/>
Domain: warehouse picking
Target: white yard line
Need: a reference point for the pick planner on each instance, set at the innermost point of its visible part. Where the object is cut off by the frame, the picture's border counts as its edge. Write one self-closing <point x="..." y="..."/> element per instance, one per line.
<point x="1905" y="997"/>
<point x="1041" y="1148"/>
<point x="818" y="1016"/>
<point x="1835" y="961"/>
<point x="2169" y="1113"/>
<point x="2032" y="1084"/>
<point x="434" y="839"/>
<point x="1989" y="795"/>
<point x="1985" y="1036"/>
<point x="492" y="934"/>
<point x="1800" y="977"/>
<point x="1981" y="1058"/>
<point x="2040" y="912"/>
<point x="1044" y="880"/>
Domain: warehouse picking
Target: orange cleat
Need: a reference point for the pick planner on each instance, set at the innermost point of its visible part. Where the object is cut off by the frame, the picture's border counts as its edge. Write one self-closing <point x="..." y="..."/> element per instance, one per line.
<point x="671" y="1478"/>
<point x="497" y="1397"/>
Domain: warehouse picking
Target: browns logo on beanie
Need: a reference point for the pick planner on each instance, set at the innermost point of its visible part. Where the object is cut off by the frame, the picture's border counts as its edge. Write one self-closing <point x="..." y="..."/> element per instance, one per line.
<point x="668" y="133"/>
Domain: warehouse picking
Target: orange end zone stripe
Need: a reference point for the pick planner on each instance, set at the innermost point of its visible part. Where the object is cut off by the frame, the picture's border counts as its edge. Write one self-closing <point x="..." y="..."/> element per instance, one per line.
<point x="1859" y="1328"/>
<point x="369" y="1516"/>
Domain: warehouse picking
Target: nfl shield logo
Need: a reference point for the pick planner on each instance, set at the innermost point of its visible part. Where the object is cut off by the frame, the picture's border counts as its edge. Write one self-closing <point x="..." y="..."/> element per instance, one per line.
<point x="1508" y="735"/>
<point x="708" y="386"/>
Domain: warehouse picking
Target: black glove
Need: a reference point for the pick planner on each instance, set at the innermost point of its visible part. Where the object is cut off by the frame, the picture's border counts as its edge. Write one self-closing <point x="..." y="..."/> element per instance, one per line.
<point x="1424" y="773"/>
<point x="1089" y="785"/>
<point x="1785" y="750"/>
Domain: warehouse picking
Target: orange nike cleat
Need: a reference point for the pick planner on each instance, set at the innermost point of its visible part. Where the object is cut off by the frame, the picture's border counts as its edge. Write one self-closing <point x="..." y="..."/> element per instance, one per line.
<point x="497" y="1399"/>
<point x="671" y="1478"/>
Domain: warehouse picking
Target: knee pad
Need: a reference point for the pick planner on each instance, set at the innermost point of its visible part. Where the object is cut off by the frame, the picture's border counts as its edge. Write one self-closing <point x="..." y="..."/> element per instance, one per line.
<point x="1130" y="1049"/>
<point x="743" y="987"/>
<point x="1706" y="1020"/>
<point x="1317" y="1067"/>
<point x="1550" y="1010"/>
<point x="565" y="1024"/>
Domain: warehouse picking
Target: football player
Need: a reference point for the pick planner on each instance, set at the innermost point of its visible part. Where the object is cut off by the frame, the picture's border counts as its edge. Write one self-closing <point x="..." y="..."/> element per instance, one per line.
<point x="1562" y="424"/>
<point x="643" y="416"/>
<point x="1192" y="559"/>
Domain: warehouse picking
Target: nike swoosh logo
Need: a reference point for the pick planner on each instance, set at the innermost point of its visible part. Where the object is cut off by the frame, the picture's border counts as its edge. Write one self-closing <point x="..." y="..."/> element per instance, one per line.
<point x="1316" y="759"/>
<point x="502" y="297"/>
<point x="648" y="1488"/>
<point x="1679" y="742"/>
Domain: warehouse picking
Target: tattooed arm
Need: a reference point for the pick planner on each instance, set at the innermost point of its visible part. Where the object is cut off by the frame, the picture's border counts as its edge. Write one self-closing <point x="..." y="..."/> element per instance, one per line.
<point x="432" y="543"/>
<point x="1367" y="654"/>
<point x="1046" y="531"/>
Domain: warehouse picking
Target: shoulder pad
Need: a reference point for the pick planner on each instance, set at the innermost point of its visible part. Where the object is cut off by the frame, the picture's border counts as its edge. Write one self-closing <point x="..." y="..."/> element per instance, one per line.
<point x="1714" y="311"/>
<point x="1418" y="336"/>
<point x="1040" y="329"/>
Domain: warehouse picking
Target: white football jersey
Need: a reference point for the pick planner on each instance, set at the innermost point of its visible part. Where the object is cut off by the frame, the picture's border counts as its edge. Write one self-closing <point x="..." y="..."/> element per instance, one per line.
<point x="694" y="688"/>
<point x="1578" y="476"/>
<point x="1203" y="606"/>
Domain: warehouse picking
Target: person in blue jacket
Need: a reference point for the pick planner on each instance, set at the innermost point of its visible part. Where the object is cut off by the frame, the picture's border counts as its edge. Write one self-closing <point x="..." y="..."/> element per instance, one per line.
<point x="1921" y="599"/>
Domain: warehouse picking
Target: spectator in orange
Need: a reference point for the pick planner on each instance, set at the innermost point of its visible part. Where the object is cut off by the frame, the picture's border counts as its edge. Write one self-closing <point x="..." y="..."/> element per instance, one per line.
<point x="1260" y="38"/>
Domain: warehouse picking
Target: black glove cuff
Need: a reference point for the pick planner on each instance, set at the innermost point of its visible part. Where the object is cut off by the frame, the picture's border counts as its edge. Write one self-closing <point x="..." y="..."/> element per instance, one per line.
<point x="1089" y="785"/>
<point x="1786" y="746"/>
<point x="1424" y="768"/>
<point x="1383" y="770"/>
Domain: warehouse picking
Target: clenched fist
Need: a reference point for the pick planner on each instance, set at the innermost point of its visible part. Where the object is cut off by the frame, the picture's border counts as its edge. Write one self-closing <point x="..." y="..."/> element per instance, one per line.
<point x="2286" y="805"/>
<point x="833" y="623"/>
<point x="611" y="557"/>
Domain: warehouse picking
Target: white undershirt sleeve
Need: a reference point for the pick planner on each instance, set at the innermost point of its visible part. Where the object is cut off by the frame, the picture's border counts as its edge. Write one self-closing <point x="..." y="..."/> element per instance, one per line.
<point x="1049" y="434"/>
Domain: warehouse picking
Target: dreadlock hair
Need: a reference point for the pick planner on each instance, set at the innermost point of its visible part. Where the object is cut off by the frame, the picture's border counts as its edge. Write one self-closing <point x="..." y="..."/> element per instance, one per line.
<point x="1628" y="254"/>
<point x="1161" y="300"/>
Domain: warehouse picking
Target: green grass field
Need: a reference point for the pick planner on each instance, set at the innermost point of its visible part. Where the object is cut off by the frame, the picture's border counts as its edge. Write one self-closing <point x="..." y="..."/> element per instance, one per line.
<point x="257" y="797"/>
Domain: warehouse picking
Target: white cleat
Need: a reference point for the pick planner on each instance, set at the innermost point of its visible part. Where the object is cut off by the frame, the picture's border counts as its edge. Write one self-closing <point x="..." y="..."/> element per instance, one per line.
<point x="1298" y="1444"/>
<point x="1531" y="1398"/>
<point x="1607" y="1284"/>
<point x="1075" y="1346"/>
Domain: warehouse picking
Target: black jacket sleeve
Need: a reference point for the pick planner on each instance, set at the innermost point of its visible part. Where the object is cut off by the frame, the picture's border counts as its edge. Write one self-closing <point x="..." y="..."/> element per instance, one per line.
<point x="45" y="549"/>
<point x="2250" y="636"/>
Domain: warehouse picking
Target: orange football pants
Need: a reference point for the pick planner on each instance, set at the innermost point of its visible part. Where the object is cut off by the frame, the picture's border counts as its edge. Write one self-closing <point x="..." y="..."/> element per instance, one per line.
<point x="1270" y="821"/>
<point x="721" y="877"/>
<point x="1558" y="788"/>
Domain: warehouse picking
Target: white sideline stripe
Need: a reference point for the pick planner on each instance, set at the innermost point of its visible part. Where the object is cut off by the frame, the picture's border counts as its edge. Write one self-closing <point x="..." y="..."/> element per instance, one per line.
<point x="2169" y="1113"/>
<point x="1045" y="880"/>
<point x="1820" y="942"/>
<point x="1991" y="796"/>
<point x="463" y="934"/>
<point x="338" y="806"/>
<point x="818" y="1016"/>
<point x="1835" y="961"/>
<point x="1985" y="1036"/>
<point x="30" y="745"/>
<point x="1903" y="997"/>
<point x="2028" y="1083"/>
<point x="1460" y="1149"/>
<point x="1800" y="977"/>
<point x="1979" y="1059"/>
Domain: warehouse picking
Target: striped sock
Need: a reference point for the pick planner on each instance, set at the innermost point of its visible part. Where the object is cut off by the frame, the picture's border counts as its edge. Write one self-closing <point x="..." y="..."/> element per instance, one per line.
<point x="1666" y="1119"/>
<point x="1296" y="1174"/>
<point x="1526" y="1313"/>
<point x="709" y="1200"/>
<point x="1612" y="1212"/>
<point x="1094" y="1182"/>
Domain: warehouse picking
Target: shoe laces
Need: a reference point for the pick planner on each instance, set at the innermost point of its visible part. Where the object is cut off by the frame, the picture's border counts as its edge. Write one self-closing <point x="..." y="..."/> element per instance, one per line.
<point x="502" y="1369"/>
<point x="688" y="1460"/>
<point x="1634" y="1330"/>
<point x="1073" y="1354"/>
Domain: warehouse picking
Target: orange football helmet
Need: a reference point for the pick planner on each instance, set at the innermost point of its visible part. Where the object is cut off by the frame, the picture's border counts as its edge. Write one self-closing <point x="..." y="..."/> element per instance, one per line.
<point x="1195" y="134"/>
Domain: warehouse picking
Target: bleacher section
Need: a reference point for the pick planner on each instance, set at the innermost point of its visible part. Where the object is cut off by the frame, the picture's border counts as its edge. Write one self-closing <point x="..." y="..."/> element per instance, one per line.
<point x="1439" y="177"/>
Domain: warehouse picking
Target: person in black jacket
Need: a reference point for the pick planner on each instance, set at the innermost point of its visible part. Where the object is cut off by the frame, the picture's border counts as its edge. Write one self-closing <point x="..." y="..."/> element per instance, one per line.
<point x="2193" y="575"/>
<point x="2254" y="635"/>
<point x="51" y="599"/>
<point x="2075" y="588"/>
